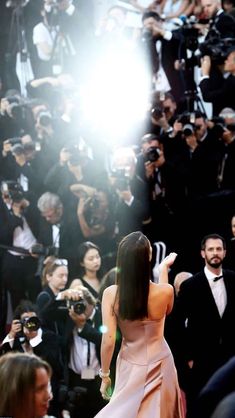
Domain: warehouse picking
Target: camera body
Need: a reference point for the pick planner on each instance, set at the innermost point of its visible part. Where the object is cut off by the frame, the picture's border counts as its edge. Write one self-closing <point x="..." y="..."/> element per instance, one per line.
<point x="12" y="190"/>
<point x="188" y="129"/>
<point x="152" y="154"/>
<point x="42" y="250"/>
<point x="122" y="180"/>
<point x="79" y="305"/>
<point x="217" y="48"/>
<point x="70" y="399"/>
<point x="31" y="323"/>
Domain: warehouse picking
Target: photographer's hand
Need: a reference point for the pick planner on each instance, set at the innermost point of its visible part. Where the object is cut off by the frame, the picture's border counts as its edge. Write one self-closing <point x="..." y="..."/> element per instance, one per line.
<point x="15" y="328"/>
<point x="125" y="195"/>
<point x="71" y="294"/>
<point x="206" y="65"/>
<point x="79" y="320"/>
<point x="6" y="148"/>
<point x="18" y="207"/>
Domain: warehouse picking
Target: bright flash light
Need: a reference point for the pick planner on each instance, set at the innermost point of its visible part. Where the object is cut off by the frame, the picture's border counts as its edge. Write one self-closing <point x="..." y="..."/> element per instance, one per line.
<point x="103" y="329"/>
<point x="116" y="96"/>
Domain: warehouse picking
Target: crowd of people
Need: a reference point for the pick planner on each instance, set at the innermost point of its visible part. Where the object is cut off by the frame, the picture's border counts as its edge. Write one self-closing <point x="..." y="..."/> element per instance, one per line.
<point x="77" y="185"/>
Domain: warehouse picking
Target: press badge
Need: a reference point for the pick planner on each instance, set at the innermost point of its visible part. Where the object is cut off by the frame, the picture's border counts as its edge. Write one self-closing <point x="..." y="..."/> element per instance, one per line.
<point x="88" y="373"/>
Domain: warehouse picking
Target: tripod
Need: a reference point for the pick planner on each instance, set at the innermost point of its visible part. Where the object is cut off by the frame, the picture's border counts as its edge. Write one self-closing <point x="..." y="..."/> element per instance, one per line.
<point x="192" y="99"/>
<point x="61" y="52"/>
<point x="17" y="57"/>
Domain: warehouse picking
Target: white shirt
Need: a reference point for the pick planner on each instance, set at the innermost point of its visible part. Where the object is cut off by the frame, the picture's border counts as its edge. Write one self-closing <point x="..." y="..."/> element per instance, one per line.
<point x="79" y="354"/>
<point x="41" y="34"/>
<point x="218" y="290"/>
<point x="23" y="237"/>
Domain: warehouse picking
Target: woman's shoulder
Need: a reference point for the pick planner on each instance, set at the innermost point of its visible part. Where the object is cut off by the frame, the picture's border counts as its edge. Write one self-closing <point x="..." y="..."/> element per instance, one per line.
<point x="161" y="288"/>
<point x="110" y="290"/>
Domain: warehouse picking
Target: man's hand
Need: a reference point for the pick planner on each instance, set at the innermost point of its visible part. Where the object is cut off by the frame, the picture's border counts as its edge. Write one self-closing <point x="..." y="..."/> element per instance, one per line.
<point x="15" y="328"/>
<point x="18" y="207"/>
<point x="79" y="320"/>
<point x="71" y="294"/>
<point x="206" y="65"/>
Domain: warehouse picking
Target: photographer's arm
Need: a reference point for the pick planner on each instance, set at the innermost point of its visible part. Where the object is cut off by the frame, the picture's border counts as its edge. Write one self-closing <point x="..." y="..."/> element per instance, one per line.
<point x="87" y="230"/>
<point x="8" y="342"/>
<point x="81" y="190"/>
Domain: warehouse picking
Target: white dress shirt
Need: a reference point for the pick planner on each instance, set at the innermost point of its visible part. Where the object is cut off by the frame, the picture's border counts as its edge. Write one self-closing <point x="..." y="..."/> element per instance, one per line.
<point x="218" y="290"/>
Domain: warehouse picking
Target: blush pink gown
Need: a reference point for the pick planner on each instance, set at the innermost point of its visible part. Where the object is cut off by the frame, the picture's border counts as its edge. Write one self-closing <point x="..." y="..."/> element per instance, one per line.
<point x="146" y="380"/>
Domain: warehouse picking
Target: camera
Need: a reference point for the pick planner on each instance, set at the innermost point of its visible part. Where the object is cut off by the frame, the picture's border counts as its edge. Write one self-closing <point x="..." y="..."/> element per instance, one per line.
<point x="122" y="180"/>
<point x="39" y="249"/>
<point x="12" y="190"/>
<point x="71" y="398"/>
<point x="146" y="35"/>
<point x="157" y="112"/>
<point x="15" y="141"/>
<point x="31" y="323"/>
<point x="44" y="119"/>
<point x="152" y="154"/>
<point x="188" y="129"/>
<point x="93" y="203"/>
<point x="79" y="306"/>
<point x="216" y="48"/>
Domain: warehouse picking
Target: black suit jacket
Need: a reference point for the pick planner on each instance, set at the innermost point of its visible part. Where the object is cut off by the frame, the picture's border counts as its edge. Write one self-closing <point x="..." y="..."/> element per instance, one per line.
<point x="221" y="384"/>
<point x="208" y="338"/>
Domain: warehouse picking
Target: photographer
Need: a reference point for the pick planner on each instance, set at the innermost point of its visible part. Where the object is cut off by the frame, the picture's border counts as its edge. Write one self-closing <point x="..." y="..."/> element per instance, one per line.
<point x="132" y="197"/>
<point x="18" y="266"/>
<point x="17" y="166"/>
<point x="84" y="353"/>
<point x="26" y="335"/>
<point x="163" y="49"/>
<point x="95" y="215"/>
<point x="80" y="319"/>
<point x="59" y="230"/>
<point x="157" y="173"/>
<point x="219" y="93"/>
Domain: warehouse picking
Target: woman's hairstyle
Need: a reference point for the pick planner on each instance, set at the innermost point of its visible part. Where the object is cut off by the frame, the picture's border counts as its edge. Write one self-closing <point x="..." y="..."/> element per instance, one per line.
<point x="82" y="250"/>
<point x="51" y="265"/>
<point x="108" y="280"/>
<point x="17" y="383"/>
<point x="133" y="276"/>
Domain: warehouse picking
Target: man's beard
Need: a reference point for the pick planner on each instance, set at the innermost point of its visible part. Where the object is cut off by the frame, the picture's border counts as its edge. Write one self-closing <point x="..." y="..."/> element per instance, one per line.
<point x="214" y="264"/>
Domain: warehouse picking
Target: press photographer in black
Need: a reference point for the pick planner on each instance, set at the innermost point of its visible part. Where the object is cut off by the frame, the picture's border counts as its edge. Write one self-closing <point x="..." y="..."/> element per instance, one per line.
<point x="95" y="215"/>
<point x="132" y="210"/>
<point x="80" y="316"/>
<point x="219" y="94"/>
<point x="20" y="230"/>
<point x="27" y="335"/>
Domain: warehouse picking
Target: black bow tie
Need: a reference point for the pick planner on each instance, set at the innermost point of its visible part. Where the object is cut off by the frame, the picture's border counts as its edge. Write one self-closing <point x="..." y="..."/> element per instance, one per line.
<point x="217" y="278"/>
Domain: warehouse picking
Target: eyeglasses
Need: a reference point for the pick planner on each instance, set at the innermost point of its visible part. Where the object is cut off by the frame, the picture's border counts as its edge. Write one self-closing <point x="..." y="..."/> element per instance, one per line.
<point x="61" y="262"/>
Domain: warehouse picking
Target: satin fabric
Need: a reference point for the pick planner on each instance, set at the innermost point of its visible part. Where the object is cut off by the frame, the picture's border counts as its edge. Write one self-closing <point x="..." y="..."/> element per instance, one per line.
<point x="146" y="380"/>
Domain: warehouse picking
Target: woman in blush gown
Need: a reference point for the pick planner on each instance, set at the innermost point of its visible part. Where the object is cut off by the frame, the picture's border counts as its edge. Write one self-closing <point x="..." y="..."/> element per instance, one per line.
<point x="146" y="379"/>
